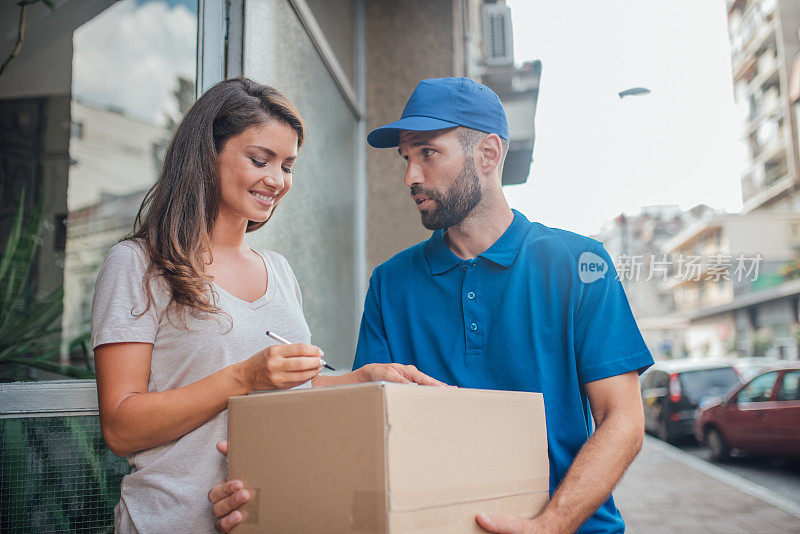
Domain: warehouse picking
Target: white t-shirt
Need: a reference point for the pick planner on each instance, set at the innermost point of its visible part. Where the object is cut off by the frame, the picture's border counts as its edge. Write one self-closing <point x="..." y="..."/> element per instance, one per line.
<point x="167" y="487"/>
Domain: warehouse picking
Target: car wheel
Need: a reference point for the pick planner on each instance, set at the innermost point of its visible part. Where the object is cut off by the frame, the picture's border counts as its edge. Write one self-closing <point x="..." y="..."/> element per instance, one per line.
<point x="717" y="446"/>
<point x="663" y="432"/>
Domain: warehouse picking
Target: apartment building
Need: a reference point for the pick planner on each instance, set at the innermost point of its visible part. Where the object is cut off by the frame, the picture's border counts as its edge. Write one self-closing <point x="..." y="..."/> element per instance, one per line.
<point x="764" y="42"/>
<point x="728" y="278"/>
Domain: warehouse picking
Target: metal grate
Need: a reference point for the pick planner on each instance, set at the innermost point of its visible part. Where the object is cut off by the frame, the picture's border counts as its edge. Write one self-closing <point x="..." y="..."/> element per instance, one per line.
<point x="57" y="475"/>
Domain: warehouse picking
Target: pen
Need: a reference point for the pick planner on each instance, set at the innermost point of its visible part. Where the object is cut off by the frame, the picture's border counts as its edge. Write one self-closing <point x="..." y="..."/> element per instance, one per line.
<point x="279" y="339"/>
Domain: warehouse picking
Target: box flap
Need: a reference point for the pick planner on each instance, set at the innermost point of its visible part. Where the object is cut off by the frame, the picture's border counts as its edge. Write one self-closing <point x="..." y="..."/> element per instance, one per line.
<point x="449" y="446"/>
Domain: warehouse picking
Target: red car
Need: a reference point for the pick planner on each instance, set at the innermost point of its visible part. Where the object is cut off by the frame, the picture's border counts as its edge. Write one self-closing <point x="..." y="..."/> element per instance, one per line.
<point x="761" y="416"/>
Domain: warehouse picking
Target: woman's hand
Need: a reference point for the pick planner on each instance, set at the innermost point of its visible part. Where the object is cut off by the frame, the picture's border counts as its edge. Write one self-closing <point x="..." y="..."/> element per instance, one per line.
<point x="227" y="497"/>
<point x="280" y="367"/>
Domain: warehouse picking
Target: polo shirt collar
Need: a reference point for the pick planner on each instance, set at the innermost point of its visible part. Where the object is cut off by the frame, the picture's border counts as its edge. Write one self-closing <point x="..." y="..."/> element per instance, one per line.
<point x="503" y="252"/>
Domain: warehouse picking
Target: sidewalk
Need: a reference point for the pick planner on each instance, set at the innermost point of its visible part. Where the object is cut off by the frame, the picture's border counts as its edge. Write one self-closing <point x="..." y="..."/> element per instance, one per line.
<point x="669" y="491"/>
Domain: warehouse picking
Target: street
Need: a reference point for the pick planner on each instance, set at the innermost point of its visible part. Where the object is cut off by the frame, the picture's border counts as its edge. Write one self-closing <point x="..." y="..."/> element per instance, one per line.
<point x="668" y="490"/>
<point x="779" y="475"/>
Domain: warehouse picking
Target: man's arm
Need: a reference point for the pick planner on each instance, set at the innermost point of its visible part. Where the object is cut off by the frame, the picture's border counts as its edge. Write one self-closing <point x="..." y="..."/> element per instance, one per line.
<point x="617" y="409"/>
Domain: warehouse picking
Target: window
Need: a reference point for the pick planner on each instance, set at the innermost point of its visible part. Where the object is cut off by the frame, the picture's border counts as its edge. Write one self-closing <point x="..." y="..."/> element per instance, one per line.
<point x="661" y="379"/>
<point x="76" y="130"/>
<point x="95" y="86"/>
<point x="708" y="382"/>
<point x="120" y="75"/>
<point x="759" y="389"/>
<point x="790" y="388"/>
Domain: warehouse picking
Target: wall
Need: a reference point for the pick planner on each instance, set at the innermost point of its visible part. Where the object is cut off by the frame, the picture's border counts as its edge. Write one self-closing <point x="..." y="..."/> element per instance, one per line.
<point x="314" y="227"/>
<point x="406" y="42"/>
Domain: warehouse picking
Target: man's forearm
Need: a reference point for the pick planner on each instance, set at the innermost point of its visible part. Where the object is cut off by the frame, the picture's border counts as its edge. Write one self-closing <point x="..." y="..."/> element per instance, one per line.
<point x="597" y="468"/>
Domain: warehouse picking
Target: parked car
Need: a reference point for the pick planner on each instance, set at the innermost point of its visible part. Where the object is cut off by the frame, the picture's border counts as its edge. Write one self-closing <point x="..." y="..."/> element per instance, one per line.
<point x="672" y="390"/>
<point x="750" y="367"/>
<point x="761" y="416"/>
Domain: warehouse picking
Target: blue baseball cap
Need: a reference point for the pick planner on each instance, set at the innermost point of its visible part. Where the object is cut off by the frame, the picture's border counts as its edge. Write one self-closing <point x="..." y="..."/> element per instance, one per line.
<point x="440" y="103"/>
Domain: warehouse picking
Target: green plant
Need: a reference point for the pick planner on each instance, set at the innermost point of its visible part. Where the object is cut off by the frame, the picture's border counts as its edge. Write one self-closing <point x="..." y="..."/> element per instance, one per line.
<point x="790" y="270"/>
<point x="762" y="341"/>
<point x="30" y="330"/>
<point x="57" y="475"/>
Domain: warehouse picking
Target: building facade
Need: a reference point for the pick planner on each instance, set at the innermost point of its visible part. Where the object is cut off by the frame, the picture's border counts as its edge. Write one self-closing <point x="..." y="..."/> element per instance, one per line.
<point x="764" y="43"/>
<point x="730" y="283"/>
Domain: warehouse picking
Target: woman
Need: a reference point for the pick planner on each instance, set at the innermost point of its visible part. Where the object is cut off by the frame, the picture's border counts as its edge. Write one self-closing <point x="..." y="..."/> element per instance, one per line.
<point x="181" y="307"/>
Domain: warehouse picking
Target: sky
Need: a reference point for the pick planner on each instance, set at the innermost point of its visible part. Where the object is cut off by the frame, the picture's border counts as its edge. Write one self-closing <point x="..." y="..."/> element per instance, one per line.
<point x="596" y="156"/>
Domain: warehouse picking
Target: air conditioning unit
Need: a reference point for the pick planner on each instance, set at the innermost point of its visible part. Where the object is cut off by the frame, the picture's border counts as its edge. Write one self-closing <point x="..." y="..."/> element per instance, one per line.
<point x="498" y="41"/>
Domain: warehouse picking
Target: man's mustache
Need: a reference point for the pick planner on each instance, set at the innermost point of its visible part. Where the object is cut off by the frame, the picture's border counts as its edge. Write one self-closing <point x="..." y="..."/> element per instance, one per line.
<point x="417" y="189"/>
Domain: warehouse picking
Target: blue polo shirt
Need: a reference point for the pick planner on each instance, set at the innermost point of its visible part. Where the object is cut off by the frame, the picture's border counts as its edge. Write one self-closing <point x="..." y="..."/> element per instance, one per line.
<point x="541" y="310"/>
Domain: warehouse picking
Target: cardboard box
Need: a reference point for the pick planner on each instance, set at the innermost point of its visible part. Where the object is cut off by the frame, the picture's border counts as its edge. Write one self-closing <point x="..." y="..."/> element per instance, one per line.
<point x="387" y="458"/>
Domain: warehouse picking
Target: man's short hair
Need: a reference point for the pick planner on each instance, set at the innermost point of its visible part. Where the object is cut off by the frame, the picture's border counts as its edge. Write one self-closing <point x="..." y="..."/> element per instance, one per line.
<point x="469" y="138"/>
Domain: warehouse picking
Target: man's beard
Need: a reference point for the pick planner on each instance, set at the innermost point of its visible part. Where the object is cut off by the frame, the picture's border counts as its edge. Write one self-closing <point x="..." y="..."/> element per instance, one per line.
<point x="456" y="203"/>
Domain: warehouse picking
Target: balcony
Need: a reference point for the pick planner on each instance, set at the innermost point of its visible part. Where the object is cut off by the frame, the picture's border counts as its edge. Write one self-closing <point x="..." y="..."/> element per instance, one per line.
<point x="748" y="35"/>
<point x="755" y="196"/>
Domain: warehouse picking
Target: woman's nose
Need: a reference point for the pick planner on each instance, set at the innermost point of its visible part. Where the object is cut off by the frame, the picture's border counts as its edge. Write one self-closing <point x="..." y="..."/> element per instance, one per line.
<point x="273" y="176"/>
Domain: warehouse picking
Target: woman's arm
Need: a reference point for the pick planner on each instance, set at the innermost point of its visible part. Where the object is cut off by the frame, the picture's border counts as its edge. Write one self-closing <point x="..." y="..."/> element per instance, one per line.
<point x="133" y="419"/>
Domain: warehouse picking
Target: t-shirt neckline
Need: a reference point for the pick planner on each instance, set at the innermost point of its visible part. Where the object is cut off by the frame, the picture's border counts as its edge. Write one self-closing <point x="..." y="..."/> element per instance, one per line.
<point x="263" y="299"/>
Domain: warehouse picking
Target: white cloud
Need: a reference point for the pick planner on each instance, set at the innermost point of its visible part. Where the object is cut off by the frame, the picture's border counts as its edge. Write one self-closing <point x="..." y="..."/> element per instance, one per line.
<point x="130" y="56"/>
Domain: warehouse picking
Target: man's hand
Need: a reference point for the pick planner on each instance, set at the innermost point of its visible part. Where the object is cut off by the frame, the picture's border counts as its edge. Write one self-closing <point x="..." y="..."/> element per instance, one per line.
<point x="227" y="497"/>
<point x="395" y="372"/>
<point x="511" y="524"/>
<point x="617" y="410"/>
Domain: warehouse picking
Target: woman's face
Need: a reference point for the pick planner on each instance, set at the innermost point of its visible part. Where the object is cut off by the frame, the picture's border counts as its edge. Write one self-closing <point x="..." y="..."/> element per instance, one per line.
<point x="255" y="170"/>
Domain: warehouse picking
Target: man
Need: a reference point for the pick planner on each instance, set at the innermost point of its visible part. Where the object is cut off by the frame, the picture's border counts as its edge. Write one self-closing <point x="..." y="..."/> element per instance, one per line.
<point x="494" y="301"/>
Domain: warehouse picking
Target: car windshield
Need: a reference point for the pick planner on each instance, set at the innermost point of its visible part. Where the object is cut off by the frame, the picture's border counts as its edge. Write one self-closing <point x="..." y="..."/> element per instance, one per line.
<point x="697" y="385"/>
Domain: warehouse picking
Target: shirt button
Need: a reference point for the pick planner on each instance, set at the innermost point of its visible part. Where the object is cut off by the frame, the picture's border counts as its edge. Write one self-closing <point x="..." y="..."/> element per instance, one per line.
<point x="471" y="295"/>
<point x="473" y="326"/>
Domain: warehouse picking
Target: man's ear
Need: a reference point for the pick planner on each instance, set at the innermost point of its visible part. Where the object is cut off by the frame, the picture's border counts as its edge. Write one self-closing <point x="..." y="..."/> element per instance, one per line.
<point x="490" y="151"/>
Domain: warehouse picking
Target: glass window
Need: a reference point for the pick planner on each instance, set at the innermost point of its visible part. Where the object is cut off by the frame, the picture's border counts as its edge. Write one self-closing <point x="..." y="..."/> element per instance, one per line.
<point x="86" y="108"/>
<point x="708" y="382"/>
<point x="759" y="389"/>
<point x="661" y="379"/>
<point x="790" y="388"/>
<point x="647" y="380"/>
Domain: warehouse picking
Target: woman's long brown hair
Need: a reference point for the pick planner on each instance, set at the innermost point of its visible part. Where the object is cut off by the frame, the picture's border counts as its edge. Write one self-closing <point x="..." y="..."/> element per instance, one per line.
<point x="176" y="217"/>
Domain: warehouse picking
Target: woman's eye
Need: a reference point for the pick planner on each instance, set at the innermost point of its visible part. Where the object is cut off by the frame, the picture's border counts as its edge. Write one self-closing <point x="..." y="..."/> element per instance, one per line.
<point x="258" y="163"/>
<point x="428" y="152"/>
<point x="287" y="170"/>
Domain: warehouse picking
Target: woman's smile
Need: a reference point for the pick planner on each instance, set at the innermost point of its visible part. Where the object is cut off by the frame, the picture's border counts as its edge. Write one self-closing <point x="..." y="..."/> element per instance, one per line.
<point x="264" y="198"/>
